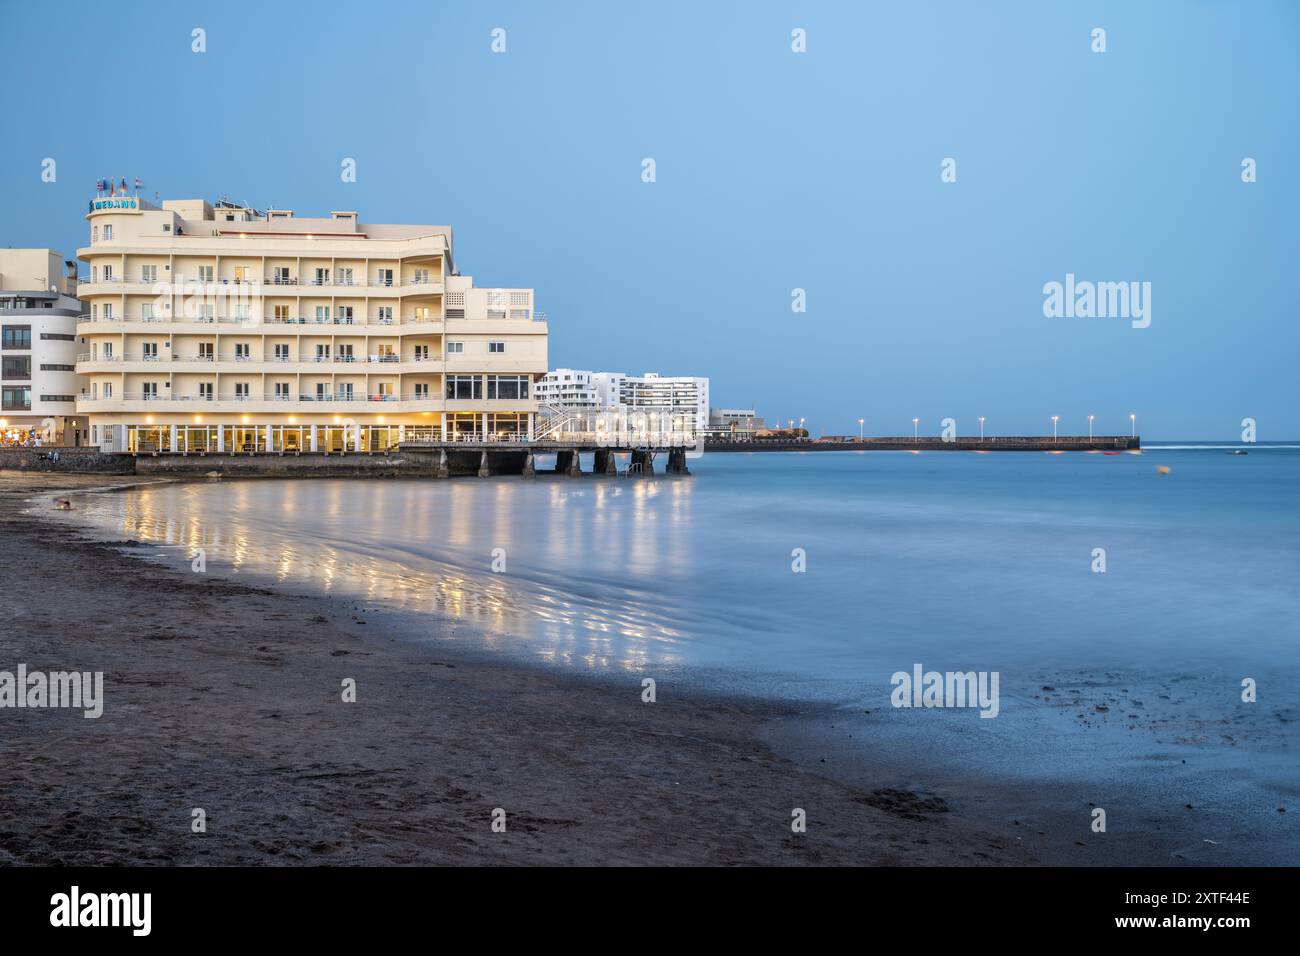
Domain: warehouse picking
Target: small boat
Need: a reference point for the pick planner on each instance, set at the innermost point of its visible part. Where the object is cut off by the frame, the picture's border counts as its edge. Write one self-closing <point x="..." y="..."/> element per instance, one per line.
<point x="1112" y="453"/>
<point x="1239" y="451"/>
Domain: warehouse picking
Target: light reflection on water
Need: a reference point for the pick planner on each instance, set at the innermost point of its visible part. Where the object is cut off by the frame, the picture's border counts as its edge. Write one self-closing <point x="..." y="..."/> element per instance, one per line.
<point x="427" y="547"/>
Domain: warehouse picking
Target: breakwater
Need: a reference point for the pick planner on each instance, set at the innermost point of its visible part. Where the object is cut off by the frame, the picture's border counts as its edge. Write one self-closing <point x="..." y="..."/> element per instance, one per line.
<point x="1018" y="443"/>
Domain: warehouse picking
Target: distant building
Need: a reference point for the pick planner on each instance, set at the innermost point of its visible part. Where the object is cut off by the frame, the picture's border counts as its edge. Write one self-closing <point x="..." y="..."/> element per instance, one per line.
<point x="607" y="391"/>
<point x="734" y="422"/>
<point x="38" y="312"/>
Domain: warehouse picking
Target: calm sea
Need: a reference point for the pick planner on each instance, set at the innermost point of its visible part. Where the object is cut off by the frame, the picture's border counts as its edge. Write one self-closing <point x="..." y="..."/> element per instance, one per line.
<point x="955" y="561"/>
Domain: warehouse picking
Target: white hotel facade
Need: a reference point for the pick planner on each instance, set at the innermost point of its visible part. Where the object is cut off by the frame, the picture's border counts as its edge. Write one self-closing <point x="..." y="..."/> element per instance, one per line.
<point x="220" y="328"/>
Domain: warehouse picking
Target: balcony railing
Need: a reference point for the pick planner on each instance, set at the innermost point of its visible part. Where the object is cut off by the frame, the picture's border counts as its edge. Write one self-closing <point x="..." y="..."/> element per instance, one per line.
<point x="289" y="281"/>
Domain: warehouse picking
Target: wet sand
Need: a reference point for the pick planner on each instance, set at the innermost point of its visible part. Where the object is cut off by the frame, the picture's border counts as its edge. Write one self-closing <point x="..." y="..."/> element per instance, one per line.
<point x="228" y="698"/>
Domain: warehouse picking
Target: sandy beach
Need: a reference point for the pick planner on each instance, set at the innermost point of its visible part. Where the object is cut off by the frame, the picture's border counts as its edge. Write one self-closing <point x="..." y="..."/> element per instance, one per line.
<point x="228" y="698"/>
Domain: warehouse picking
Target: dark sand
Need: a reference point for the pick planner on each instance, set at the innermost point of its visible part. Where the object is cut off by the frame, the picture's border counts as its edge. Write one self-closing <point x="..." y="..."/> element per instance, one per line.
<point x="227" y="698"/>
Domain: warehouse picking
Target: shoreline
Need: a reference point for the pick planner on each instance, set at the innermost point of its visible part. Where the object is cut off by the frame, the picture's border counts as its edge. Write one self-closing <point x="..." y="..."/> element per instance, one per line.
<point x="230" y="694"/>
<point x="226" y="697"/>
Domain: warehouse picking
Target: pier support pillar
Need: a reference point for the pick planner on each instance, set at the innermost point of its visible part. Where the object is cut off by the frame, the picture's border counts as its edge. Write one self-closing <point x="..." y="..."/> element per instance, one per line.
<point x="444" y="469"/>
<point x="314" y="446"/>
<point x="677" y="462"/>
<point x="606" y="463"/>
<point x="529" y="469"/>
<point x="646" y="459"/>
<point x="484" y="471"/>
<point x="567" y="462"/>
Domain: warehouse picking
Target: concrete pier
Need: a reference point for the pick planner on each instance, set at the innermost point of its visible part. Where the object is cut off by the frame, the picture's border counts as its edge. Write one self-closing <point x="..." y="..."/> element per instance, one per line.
<point x="677" y="462"/>
<point x="606" y="462"/>
<point x="484" y="468"/>
<point x="568" y="462"/>
<point x="643" y="461"/>
<point x="530" y="467"/>
<point x="444" y="469"/>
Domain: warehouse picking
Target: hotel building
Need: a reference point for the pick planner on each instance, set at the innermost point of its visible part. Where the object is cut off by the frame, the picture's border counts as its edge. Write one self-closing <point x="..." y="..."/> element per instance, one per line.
<point x="38" y="321"/>
<point x="685" y="398"/>
<point x="220" y="328"/>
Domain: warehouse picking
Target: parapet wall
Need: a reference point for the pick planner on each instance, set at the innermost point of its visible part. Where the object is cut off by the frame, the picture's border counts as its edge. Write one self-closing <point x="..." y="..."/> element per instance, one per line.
<point x="76" y="461"/>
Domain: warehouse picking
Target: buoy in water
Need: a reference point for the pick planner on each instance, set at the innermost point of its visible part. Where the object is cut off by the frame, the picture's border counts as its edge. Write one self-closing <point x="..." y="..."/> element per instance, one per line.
<point x="1163" y="469"/>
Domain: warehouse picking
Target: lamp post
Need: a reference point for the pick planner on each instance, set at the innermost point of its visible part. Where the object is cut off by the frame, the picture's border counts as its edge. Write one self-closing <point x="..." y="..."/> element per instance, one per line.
<point x="915" y="425"/>
<point x="1133" y="420"/>
<point x="981" y="428"/>
<point x="1090" y="418"/>
<point x="860" y="423"/>
<point x="1054" y="420"/>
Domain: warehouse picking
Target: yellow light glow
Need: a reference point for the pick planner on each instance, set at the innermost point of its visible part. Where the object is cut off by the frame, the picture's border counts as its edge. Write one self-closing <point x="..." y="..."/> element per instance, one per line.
<point x="244" y="419"/>
<point x="198" y="418"/>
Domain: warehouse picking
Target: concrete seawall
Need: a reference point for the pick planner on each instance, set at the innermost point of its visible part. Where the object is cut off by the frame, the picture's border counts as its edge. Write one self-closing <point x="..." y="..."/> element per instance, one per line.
<point x="74" y="461"/>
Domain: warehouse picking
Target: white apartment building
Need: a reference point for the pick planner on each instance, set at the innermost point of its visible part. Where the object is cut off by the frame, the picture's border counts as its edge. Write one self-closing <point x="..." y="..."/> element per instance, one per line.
<point x="218" y="327"/>
<point x="38" y="316"/>
<point x="575" y="389"/>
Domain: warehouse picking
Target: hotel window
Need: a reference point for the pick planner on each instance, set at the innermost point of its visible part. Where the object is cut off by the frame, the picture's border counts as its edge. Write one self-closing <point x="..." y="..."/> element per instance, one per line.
<point x="243" y="274"/>
<point x="205" y="312"/>
<point x="345" y="277"/>
<point x="149" y="351"/>
<point x="17" y="399"/>
<point x="496" y="348"/>
<point x="385" y="315"/>
<point x="241" y="352"/>
<point x="281" y="275"/>
<point x="281" y="391"/>
<point x="322" y="353"/>
<point x="384" y="276"/>
<point x="421" y="353"/>
<point x="205" y="351"/>
<point x="205" y="391"/>
<point x="241" y="391"/>
<point x="57" y="337"/>
<point x="17" y="367"/>
<point x="455" y="348"/>
<point x="322" y="277"/>
<point x="344" y="352"/>
<point x="345" y="315"/>
<point x="146" y="311"/>
<point x="241" y="312"/>
<point x="422" y="314"/>
<point x="17" y="337"/>
<point x="148" y="273"/>
<point x="421" y="390"/>
<point x="108" y="311"/>
<point x="420" y="277"/>
<point x="282" y="353"/>
<point x="108" y="389"/>
<point x="205" y="273"/>
<point x="344" y="392"/>
<point x="94" y="234"/>
<point x="464" y="386"/>
<point x="507" y="386"/>
<point x="108" y="234"/>
<point x="108" y="270"/>
<point x="322" y="313"/>
<point x="149" y="391"/>
<point x="108" y="351"/>
<point x="322" y="391"/>
<point x="281" y="313"/>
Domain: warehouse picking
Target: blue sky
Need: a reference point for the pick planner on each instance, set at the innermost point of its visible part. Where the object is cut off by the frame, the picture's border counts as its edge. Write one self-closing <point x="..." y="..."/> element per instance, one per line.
<point x="775" y="171"/>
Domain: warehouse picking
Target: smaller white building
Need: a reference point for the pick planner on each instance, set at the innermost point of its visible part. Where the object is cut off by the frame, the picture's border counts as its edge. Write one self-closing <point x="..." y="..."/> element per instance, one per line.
<point x="38" y="316"/>
<point x="579" y="390"/>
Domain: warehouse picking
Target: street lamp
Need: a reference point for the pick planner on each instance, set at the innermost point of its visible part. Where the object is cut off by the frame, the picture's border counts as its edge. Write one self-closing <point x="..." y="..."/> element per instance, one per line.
<point x="1133" y="420"/>
<point x="860" y="423"/>
<point x="1090" y="418"/>
<point x="1054" y="420"/>
<point x="915" y="423"/>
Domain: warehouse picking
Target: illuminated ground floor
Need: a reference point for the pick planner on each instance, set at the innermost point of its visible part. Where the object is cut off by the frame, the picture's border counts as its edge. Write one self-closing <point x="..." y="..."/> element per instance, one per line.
<point x="227" y="434"/>
<point x="30" y="430"/>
